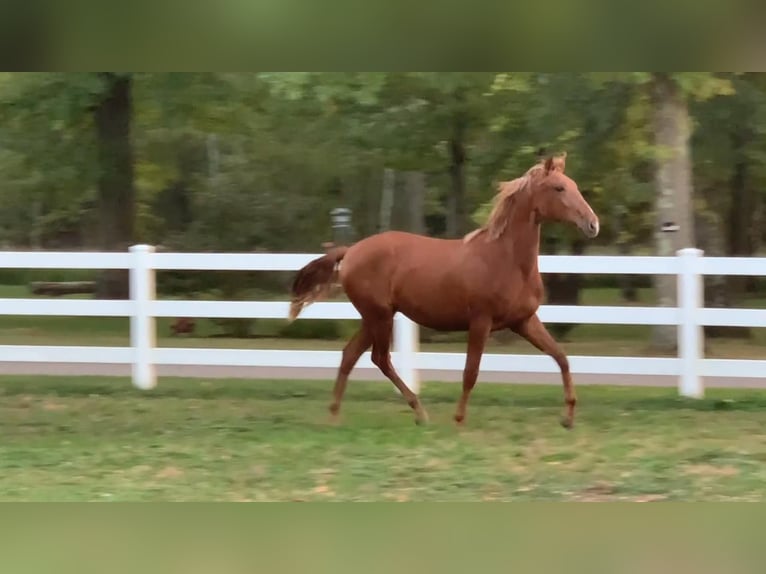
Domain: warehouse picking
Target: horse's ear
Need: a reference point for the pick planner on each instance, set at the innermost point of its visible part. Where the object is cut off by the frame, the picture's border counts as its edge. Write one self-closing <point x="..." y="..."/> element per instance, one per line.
<point x="556" y="163"/>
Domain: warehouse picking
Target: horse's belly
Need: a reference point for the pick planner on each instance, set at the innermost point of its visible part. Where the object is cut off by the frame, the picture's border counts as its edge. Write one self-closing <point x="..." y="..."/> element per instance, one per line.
<point x="439" y="318"/>
<point x="448" y="310"/>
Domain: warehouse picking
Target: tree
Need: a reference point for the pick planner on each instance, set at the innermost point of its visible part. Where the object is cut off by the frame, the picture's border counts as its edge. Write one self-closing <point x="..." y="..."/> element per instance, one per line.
<point x="113" y="114"/>
<point x="672" y="128"/>
<point x="672" y="124"/>
<point x="463" y="105"/>
<point x="48" y="156"/>
<point x="257" y="160"/>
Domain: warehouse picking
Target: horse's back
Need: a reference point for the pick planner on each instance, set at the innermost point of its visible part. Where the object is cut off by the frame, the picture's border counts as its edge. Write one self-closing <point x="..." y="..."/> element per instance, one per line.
<point x="415" y="274"/>
<point x="384" y="250"/>
<point x="405" y="239"/>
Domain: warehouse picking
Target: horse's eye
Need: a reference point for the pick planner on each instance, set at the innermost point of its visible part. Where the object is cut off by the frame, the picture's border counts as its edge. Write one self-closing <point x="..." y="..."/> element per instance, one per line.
<point x="559" y="188"/>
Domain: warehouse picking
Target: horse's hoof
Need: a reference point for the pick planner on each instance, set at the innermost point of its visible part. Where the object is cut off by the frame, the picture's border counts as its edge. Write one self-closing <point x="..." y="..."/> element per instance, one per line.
<point x="567" y="423"/>
<point x="421" y="420"/>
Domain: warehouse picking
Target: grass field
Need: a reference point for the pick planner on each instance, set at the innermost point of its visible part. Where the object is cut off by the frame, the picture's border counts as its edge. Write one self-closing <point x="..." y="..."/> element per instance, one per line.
<point x="99" y="439"/>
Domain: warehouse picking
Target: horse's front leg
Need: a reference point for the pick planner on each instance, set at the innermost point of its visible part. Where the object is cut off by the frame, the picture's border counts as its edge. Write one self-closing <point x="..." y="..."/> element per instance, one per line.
<point x="478" y="333"/>
<point x="535" y="332"/>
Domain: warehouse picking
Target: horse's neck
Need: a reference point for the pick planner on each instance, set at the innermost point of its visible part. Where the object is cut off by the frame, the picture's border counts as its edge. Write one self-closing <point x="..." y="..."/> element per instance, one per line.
<point x="523" y="240"/>
<point x="525" y="247"/>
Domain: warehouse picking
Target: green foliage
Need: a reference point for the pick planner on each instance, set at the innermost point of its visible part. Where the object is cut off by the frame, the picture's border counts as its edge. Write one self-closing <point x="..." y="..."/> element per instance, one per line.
<point x="697" y="85"/>
<point x="704" y="85"/>
<point x="602" y="127"/>
<point x="315" y="329"/>
<point x="248" y="161"/>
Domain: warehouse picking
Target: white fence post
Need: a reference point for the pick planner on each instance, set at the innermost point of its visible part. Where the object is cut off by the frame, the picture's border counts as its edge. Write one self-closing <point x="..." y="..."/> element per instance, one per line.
<point x="690" y="333"/>
<point x="406" y="348"/>
<point x="142" y="324"/>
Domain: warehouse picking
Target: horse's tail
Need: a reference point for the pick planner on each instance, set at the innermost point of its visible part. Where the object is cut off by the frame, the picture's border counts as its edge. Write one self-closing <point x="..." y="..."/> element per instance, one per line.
<point x="315" y="280"/>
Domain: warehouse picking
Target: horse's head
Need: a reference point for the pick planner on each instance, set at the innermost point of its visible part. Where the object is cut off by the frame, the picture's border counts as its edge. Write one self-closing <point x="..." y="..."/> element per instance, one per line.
<point x="545" y="192"/>
<point x="556" y="197"/>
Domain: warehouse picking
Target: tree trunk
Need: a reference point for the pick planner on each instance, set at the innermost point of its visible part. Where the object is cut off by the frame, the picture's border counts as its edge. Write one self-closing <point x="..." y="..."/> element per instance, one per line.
<point x="741" y="209"/>
<point x="387" y="199"/>
<point x="415" y="188"/>
<point x="672" y="127"/>
<point x="563" y="288"/>
<point x="456" y="200"/>
<point x="627" y="283"/>
<point x="712" y="242"/>
<point x="116" y="192"/>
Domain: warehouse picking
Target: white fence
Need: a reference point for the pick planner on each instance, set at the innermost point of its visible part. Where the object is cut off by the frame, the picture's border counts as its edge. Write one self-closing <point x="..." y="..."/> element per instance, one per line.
<point x="690" y="367"/>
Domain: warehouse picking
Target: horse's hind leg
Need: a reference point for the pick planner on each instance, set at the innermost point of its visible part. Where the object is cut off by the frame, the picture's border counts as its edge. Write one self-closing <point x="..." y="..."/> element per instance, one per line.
<point x="354" y="349"/>
<point x="381" y="356"/>
<point x="535" y="332"/>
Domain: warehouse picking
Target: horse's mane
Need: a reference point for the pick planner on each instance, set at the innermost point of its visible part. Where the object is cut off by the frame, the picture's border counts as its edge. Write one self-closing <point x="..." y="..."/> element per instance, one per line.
<point x="503" y="203"/>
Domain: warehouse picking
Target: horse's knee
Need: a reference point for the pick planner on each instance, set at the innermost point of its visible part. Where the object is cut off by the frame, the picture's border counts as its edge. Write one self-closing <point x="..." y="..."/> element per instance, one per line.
<point x="380" y="360"/>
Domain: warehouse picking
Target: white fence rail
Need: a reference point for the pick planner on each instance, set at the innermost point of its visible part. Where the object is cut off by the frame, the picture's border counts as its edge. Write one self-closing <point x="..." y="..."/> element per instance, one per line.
<point x="689" y="266"/>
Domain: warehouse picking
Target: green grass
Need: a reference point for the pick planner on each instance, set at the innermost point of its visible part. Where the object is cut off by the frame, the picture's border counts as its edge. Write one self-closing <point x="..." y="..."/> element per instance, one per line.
<point x="99" y="439"/>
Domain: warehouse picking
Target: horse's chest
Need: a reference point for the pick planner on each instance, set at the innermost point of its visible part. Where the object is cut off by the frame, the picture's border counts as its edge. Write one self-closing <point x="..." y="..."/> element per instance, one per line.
<point x="521" y="303"/>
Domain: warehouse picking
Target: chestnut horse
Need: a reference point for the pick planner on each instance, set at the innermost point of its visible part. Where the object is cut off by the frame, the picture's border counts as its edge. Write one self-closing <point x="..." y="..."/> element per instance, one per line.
<point x="487" y="281"/>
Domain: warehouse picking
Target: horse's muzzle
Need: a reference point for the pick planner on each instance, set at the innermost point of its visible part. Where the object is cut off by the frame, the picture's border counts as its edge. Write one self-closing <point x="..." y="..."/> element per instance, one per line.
<point x="590" y="227"/>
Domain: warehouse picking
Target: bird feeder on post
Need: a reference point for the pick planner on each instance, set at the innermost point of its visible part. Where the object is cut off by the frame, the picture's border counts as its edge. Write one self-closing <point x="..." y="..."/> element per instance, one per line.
<point x="341" y="225"/>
